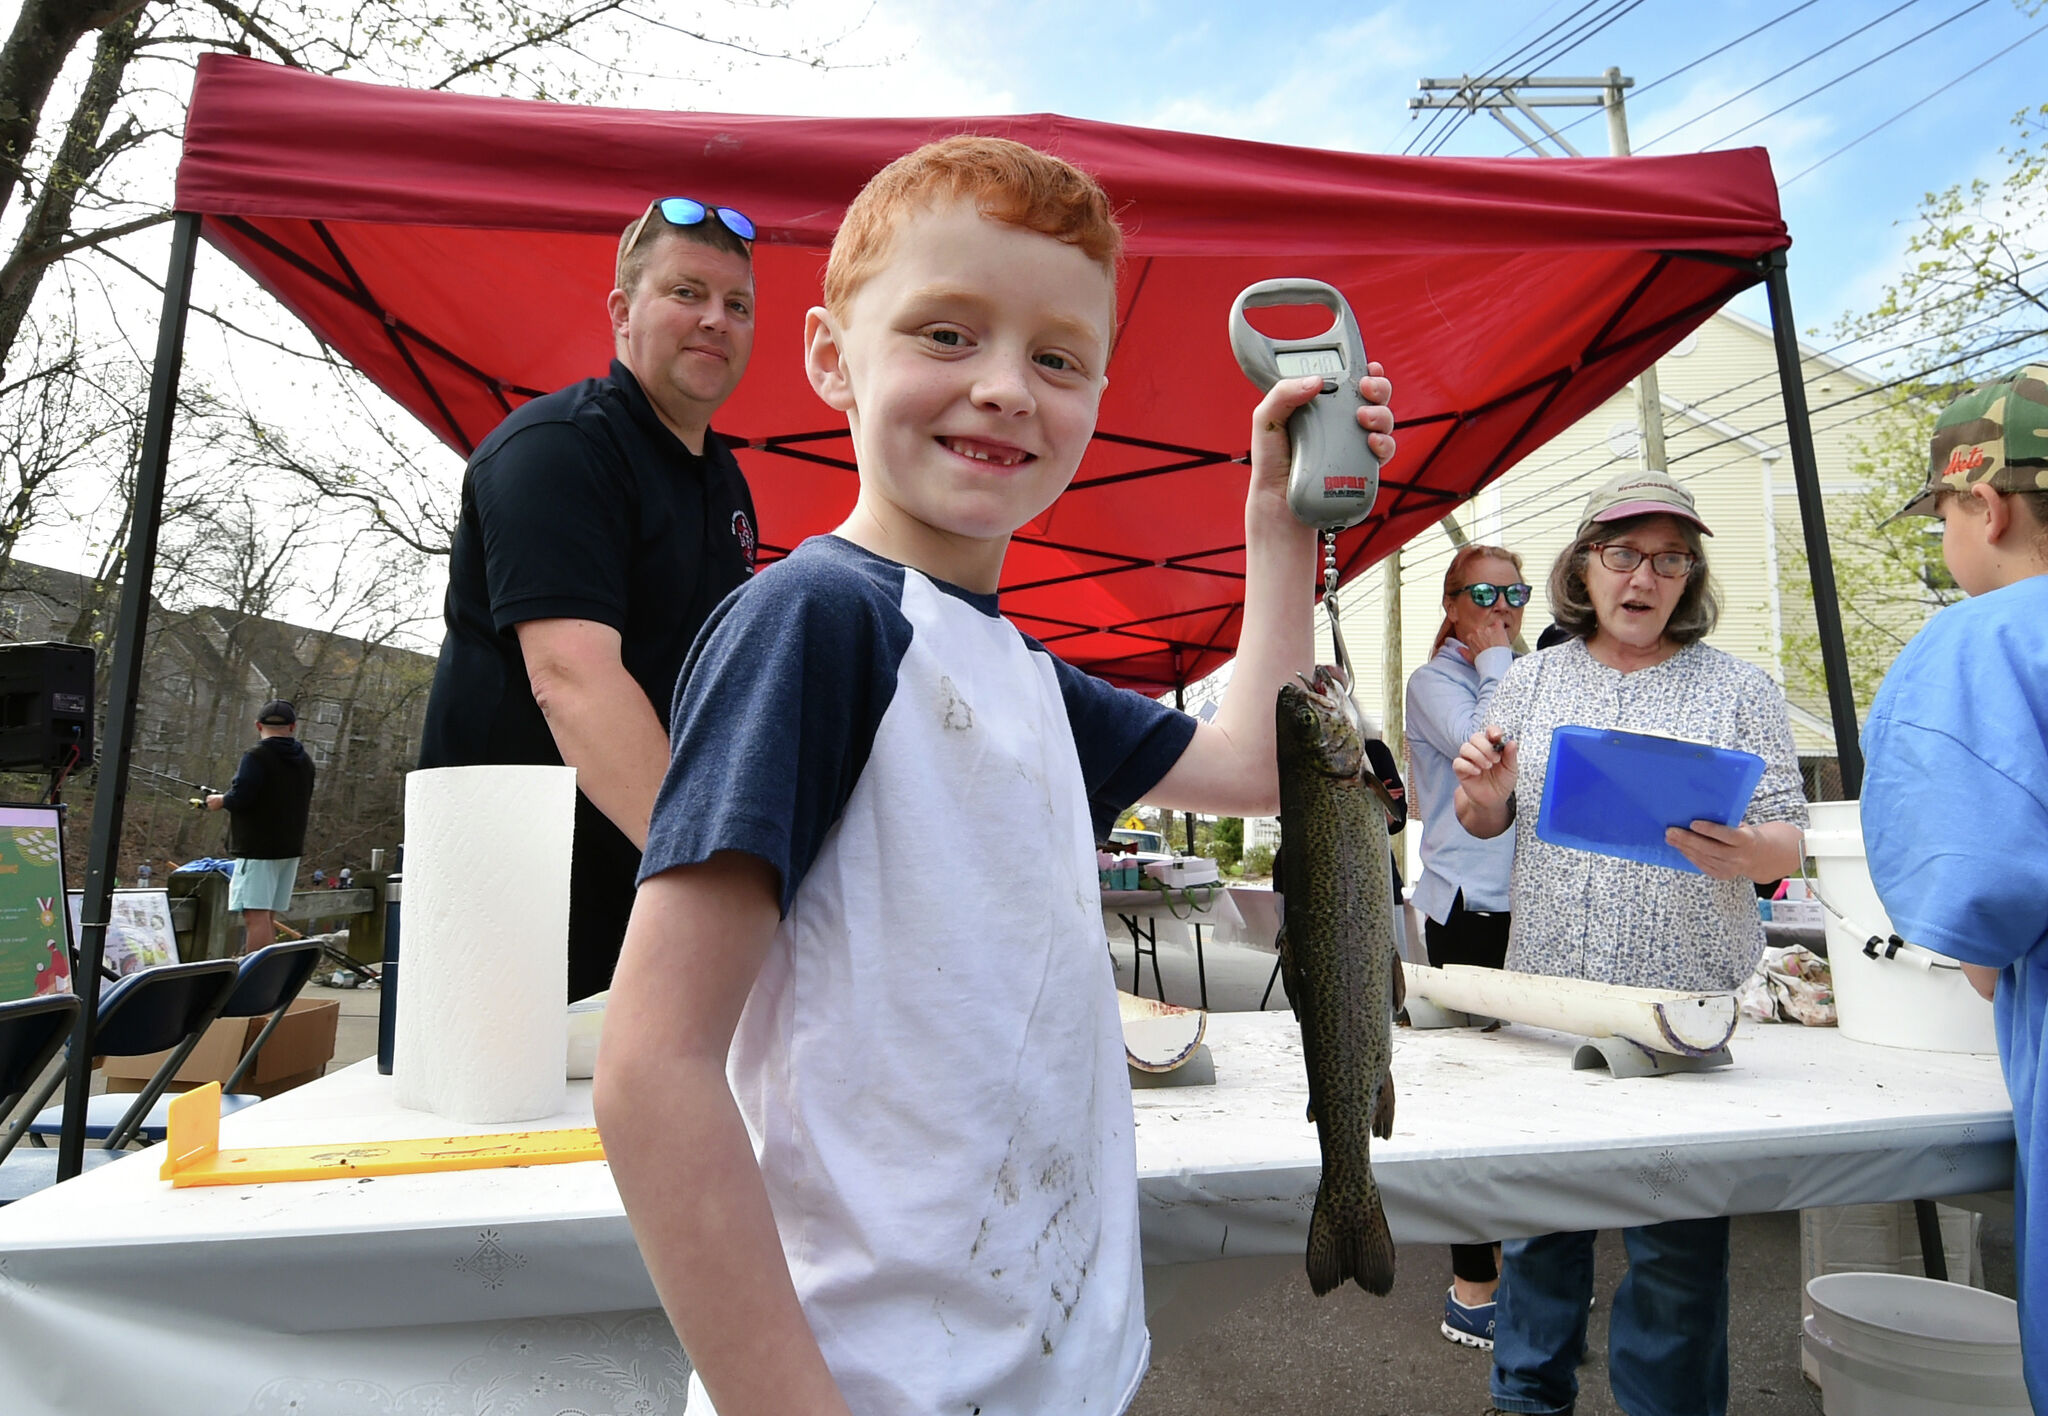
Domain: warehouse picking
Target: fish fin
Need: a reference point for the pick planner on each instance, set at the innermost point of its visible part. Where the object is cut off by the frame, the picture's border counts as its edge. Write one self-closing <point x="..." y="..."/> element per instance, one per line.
<point x="1290" y="981"/>
<point x="1400" y="983"/>
<point x="1388" y="803"/>
<point x="1383" y="1107"/>
<point x="1356" y="1245"/>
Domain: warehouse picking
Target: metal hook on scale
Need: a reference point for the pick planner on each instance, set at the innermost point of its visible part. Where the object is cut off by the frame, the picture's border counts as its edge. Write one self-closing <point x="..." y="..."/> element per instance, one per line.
<point x="1333" y="477"/>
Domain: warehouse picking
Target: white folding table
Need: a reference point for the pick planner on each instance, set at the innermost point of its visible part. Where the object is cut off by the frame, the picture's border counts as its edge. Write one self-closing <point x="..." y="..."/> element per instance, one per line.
<point x="521" y="1290"/>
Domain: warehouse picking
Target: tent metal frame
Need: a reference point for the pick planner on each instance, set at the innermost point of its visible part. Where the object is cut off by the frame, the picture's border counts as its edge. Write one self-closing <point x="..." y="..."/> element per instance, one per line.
<point x="131" y="625"/>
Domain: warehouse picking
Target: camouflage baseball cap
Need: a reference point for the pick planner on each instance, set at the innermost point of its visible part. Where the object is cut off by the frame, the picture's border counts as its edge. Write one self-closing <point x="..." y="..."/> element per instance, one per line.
<point x="1997" y="433"/>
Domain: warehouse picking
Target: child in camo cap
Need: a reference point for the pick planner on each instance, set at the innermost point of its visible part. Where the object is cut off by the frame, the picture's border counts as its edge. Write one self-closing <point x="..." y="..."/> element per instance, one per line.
<point x="1955" y="797"/>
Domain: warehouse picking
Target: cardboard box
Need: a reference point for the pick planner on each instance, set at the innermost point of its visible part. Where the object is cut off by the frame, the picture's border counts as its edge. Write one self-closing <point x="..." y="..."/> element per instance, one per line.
<point x="297" y="1053"/>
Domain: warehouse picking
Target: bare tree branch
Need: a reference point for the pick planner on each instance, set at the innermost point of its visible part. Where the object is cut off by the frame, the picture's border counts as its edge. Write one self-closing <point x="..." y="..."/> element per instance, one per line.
<point x="24" y="261"/>
<point x="531" y="41"/>
<point x="282" y="52"/>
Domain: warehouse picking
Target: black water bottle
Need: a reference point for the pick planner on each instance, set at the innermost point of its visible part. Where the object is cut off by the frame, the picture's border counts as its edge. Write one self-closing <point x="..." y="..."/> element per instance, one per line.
<point x="387" y="978"/>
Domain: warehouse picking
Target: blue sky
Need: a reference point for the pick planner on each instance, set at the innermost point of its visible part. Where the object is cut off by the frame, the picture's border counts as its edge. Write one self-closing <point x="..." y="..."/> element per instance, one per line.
<point x="1252" y="71"/>
<point x="1299" y="75"/>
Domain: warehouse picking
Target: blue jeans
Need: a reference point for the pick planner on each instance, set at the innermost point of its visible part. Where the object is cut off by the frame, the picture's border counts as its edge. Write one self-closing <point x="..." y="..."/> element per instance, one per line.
<point x="1667" y="1342"/>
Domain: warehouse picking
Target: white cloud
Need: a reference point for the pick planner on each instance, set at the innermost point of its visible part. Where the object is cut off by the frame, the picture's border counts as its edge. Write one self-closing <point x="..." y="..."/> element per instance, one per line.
<point x="886" y="61"/>
<point x="1346" y="88"/>
<point x="1710" y="108"/>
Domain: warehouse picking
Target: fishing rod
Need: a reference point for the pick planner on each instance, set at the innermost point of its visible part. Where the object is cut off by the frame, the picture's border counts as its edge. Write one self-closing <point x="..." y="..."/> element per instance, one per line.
<point x="198" y="802"/>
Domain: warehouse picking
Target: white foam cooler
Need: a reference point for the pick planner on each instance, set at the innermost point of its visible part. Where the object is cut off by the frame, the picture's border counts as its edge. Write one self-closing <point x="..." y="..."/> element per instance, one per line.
<point x="1905" y="997"/>
<point x="1183" y="871"/>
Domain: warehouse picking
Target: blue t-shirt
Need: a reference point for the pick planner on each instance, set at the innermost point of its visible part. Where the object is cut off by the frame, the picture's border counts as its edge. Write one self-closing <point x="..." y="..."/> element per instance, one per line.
<point x="1955" y="826"/>
<point x="930" y="1063"/>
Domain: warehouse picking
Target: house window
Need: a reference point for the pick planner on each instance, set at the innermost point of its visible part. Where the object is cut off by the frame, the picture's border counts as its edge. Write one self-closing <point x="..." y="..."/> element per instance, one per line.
<point x="1933" y="569"/>
<point x="326" y="711"/>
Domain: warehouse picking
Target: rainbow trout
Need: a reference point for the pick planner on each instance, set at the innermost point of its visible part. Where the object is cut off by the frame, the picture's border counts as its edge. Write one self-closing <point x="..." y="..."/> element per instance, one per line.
<point x="1340" y="967"/>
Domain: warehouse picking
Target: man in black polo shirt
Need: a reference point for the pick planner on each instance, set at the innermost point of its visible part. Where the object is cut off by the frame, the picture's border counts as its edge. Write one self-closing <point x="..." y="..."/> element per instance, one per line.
<point x="600" y="525"/>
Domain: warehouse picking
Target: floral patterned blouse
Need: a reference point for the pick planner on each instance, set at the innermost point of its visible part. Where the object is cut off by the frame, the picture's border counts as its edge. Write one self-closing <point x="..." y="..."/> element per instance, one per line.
<point x="1581" y="915"/>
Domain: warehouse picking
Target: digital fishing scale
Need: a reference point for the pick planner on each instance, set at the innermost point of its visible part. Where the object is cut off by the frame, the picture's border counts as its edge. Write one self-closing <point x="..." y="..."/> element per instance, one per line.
<point x="1333" y="477"/>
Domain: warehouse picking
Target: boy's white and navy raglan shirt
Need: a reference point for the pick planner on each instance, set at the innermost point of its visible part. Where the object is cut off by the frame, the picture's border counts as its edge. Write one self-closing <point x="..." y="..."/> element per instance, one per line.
<point x="930" y="1063"/>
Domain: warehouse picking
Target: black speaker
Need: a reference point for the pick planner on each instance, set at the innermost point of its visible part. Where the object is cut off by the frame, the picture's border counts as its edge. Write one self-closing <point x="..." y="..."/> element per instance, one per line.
<point x="45" y="707"/>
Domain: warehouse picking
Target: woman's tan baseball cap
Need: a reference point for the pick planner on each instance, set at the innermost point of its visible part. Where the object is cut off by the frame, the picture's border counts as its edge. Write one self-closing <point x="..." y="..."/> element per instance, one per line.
<point x="1642" y="494"/>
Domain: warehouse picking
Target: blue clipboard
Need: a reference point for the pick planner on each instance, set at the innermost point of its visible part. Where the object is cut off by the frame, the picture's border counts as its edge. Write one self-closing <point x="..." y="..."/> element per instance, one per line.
<point x="1616" y="793"/>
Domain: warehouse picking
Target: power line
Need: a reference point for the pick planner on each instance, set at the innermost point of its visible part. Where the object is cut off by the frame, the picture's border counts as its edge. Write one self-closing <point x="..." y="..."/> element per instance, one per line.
<point x="1799" y="63"/>
<point x="1552" y="503"/>
<point x="1499" y="73"/>
<point x="1932" y="94"/>
<point x="1683" y="68"/>
<point x="1727" y="414"/>
<point x="1420" y="137"/>
<point x="1944" y="24"/>
<point x="1557" y="51"/>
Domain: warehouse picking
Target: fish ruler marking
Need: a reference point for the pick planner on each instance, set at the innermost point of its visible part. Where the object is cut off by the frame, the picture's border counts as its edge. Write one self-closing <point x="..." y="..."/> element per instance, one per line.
<point x="193" y="1155"/>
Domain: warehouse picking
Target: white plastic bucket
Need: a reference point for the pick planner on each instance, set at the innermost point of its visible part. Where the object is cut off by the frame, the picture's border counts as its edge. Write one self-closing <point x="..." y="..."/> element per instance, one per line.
<point x="1904" y="997"/>
<point x="1890" y="1344"/>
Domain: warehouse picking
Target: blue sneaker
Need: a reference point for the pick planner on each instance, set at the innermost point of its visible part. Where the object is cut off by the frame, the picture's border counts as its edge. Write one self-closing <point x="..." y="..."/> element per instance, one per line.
<point x="1468" y="1327"/>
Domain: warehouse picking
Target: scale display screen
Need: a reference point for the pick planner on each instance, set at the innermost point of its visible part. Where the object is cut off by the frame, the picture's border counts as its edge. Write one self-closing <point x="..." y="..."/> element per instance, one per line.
<point x="1296" y="363"/>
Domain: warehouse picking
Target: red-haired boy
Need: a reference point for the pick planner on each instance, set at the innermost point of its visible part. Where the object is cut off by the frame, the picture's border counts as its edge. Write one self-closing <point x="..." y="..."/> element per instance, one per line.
<point x="866" y="1099"/>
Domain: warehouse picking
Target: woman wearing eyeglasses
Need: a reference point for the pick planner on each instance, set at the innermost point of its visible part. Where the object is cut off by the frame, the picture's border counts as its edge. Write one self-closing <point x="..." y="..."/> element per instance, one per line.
<point x="1463" y="889"/>
<point x="1633" y="586"/>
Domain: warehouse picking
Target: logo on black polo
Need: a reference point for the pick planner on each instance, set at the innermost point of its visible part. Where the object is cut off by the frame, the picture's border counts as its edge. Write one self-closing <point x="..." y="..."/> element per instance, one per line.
<point x="743" y="532"/>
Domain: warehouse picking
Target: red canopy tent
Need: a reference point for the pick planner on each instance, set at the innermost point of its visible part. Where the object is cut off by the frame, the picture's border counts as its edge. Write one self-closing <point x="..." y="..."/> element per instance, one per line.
<point x="458" y="251"/>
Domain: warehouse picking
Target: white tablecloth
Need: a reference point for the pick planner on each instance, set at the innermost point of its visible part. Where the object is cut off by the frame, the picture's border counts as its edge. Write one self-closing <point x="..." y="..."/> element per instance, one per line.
<point x="520" y="1291"/>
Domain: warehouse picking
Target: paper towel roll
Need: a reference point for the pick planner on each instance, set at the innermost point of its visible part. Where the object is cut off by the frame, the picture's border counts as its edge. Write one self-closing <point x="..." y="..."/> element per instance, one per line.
<point x="481" y="1029"/>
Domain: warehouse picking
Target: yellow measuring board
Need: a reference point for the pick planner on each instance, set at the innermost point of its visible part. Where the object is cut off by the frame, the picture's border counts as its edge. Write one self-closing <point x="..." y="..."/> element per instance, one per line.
<point x="192" y="1153"/>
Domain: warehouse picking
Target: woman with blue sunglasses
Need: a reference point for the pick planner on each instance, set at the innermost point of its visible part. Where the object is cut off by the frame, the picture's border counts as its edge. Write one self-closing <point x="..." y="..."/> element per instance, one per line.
<point x="1463" y="889"/>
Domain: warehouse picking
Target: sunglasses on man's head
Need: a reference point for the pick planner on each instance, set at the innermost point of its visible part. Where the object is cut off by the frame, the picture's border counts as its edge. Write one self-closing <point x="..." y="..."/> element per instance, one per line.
<point x="1485" y="595"/>
<point x="688" y="211"/>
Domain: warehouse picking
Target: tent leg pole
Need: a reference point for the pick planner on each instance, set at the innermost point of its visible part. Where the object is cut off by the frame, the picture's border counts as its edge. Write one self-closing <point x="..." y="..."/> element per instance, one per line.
<point x="118" y="735"/>
<point x="1180" y="701"/>
<point x="1834" y="653"/>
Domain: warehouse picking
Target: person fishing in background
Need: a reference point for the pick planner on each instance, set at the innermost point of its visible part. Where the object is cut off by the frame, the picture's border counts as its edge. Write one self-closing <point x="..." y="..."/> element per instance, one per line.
<point x="1955" y="797"/>
<point x="1633" y="586"/>
<point x="1463" y="889"/>
<point x="267" y="806"/>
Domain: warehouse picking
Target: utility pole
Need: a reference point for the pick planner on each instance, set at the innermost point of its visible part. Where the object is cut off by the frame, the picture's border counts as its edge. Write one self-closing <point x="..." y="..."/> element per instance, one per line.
<point x="1392" y="685"/>
<point x="1525" y="96"/>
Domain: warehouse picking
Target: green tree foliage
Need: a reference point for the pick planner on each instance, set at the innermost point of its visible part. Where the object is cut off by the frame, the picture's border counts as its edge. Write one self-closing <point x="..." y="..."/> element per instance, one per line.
<point x="1227" y="840"/>
<point x="1970" y="304"/>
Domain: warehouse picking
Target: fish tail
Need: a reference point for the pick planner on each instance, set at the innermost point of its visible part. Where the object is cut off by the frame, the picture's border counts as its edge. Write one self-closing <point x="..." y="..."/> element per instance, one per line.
<point x="1349" y="1238"/>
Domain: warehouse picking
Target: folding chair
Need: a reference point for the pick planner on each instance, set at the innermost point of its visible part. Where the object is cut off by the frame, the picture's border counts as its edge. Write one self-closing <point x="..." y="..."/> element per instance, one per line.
<point x="267" y="981"/>
<point x="164" y="1008"/>
<point x="32" y="1033"/>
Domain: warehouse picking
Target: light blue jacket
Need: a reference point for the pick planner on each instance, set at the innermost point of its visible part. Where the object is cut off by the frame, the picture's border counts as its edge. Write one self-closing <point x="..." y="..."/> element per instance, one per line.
<point x="1955" y="817"/>
<point x="1448" y="701"/>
